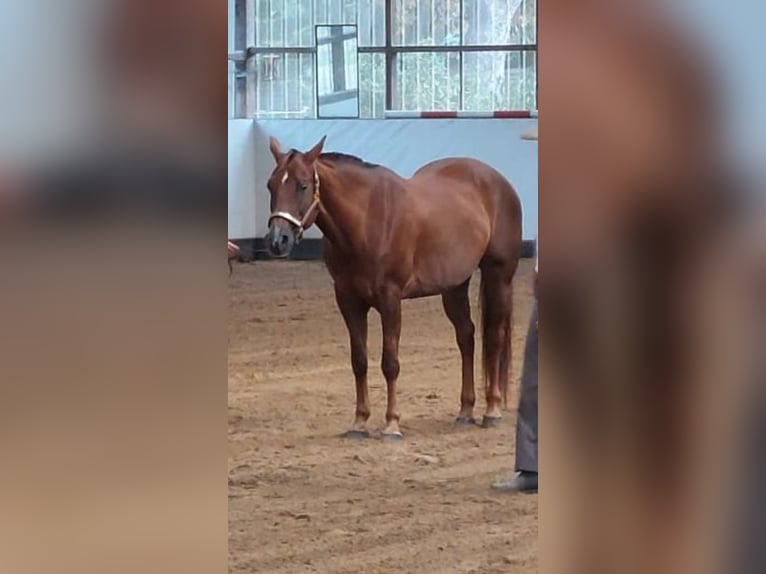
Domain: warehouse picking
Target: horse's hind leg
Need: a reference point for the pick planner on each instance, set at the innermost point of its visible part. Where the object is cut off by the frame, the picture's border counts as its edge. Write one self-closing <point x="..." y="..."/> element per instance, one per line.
<point x="497" y="300"/>
<point x="457" y="306"/>
<point x="354" y="313"/>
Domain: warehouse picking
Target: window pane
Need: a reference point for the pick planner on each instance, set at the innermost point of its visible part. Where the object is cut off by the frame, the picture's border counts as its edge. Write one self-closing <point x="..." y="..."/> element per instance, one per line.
<point x="327" y="56"/>
<point x="426" y="22"/>
<point x="499" y="22"/>
<point x="284" y="85"/>
<point x="499" y="81"/>
<point x="335" y="11"/>
<point x="371" y="22"/>
<point x="372" y="85"/>
<point x="350" y="63"/>
<point x="427" y="81"/>
<point x="283" y="23"/>
<point x="324" y="69"/>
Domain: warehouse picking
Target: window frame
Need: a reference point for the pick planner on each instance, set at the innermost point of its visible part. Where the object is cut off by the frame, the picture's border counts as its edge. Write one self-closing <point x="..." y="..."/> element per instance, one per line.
<point x="389" y="50"/>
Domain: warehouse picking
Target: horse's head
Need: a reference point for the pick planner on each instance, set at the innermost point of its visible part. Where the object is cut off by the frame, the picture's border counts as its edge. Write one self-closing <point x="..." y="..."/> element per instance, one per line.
<point x="294" y="190"/>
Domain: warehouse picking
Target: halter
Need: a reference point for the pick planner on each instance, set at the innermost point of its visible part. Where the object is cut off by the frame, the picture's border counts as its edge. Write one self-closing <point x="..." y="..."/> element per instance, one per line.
<point x="300" y="224"/>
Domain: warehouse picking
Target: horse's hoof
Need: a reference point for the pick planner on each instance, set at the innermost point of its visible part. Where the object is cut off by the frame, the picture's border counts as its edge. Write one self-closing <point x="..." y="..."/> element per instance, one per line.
<point x="391" y="436"/>
<point x="465" y="421"/>
<point x="490" y="422"/>
<point x="356" y="434"/>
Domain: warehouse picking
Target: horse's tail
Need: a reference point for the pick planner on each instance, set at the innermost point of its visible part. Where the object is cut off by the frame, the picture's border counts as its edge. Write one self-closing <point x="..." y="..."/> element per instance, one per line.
<point x="505" y="347"/>
<point x="484" y="338"/>
<point x="505" y="353"/>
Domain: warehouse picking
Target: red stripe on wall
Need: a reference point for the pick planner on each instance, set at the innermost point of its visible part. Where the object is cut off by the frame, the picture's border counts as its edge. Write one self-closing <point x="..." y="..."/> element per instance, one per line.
<point x="438" y="114"/>
<point x="517" y="114"/>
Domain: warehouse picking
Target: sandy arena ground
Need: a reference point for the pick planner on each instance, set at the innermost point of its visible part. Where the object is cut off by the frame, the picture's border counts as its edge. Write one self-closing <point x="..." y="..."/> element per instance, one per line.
<point x="302" y="499"/>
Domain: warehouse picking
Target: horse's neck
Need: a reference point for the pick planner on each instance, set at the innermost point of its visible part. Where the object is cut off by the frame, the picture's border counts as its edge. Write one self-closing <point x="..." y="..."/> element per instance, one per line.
<point x="344" y="196"/>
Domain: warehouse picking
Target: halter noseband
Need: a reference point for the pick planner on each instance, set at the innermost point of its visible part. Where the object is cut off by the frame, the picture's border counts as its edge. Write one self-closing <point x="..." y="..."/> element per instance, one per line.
<point x="300" y="224"/>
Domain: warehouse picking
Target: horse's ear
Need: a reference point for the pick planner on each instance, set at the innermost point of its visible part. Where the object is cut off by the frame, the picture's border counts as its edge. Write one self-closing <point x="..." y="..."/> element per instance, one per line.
<point x="313" y="154"/>
<point x="276" y="149"/>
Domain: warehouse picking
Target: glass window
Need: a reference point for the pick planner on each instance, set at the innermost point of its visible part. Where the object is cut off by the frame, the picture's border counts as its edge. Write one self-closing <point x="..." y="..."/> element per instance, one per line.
<point x="426" y="22"/>
<point x="371" y="22"/>
<point x="284" y="23"/>
<point x="335" y="11"/>
<point x="284" y="85"/>
<point x="372" y="85"/>
<point x="427" y="81"/>
<point x="499" y="22"/>
<point x="499" y="81"/>
<point x="324" y="69"/>
<point x="327" y="78"/>
<point x="350" y="63"/>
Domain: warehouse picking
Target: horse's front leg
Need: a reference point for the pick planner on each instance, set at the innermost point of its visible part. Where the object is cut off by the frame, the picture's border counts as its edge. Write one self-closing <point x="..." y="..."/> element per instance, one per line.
<point x="391" y="320"/>
<point x="354" y="312"/>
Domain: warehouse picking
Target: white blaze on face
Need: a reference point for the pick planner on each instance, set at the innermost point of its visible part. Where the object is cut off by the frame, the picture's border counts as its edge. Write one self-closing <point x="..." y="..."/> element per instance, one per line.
<point x="284" y="178"/>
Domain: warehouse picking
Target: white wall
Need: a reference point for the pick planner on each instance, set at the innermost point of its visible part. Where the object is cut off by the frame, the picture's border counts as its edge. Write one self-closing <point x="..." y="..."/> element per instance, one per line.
<point x="402" y="145"/>
<point x="242" y="179"/>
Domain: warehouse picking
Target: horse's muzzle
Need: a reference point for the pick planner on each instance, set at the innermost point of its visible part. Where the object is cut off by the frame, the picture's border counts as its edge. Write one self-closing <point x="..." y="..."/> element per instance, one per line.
<point x="280" y="241"/>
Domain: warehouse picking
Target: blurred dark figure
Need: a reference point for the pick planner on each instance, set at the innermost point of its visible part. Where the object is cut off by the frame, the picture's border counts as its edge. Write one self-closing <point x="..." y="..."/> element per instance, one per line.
<point x="637" y="202"/>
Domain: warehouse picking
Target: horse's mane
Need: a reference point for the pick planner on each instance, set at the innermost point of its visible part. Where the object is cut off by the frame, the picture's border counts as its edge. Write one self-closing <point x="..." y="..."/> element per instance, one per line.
<point x="336" y="156"/>
<point x="346" y="158"/>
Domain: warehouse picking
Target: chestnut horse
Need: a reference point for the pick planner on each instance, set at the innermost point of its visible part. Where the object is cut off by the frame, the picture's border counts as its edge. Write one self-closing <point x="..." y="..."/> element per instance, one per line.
<point x="387" y="238"/>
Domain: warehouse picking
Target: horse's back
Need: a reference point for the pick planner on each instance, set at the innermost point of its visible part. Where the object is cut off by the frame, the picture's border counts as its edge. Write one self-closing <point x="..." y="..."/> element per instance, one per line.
<point x="465" y="173"/>
<point x="466" y="178"/>
<point x="430" y="232"/>
<point x="455" y="168"/>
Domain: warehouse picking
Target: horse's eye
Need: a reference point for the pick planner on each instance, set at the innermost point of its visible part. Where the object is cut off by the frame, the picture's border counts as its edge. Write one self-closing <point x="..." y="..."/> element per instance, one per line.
<point x="303" y="186"/>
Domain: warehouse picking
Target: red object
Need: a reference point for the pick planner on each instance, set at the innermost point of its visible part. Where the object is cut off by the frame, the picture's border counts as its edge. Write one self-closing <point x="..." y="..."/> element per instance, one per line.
<point x="436" y="114"/>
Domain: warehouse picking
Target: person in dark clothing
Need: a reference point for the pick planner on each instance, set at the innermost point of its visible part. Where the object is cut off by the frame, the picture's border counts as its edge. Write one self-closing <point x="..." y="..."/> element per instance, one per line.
<point x="525" y="479"/>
